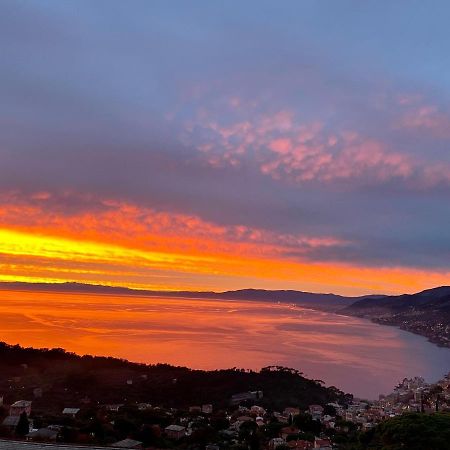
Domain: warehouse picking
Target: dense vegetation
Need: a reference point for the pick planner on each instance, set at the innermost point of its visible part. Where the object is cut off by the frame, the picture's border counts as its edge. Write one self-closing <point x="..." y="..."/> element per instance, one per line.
<point x="66" y="378"/>
<point x="413" y="431"/>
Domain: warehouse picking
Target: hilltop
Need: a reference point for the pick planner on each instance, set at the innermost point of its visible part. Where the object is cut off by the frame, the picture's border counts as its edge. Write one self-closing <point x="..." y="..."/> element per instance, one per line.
<point x="67" y="378"/>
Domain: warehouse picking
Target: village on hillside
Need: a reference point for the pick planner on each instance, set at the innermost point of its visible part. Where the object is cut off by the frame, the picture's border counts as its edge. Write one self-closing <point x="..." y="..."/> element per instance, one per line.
<point x="244" y="424"/>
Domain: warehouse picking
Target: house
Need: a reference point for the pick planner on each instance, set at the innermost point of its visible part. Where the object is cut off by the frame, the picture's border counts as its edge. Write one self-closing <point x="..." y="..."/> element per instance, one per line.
<point x="322" y="444"/>
<point x="128" y="443"/>
<point x="280" y="417"/>
<point x="71" y="411"/>
<point x="257" y="410"/>
<point x="243" y="419"/>
<point x="260" y="421"/>
<point x="291" y="412"/>
<point x="212" y="447"/>
<point x="175" y="431"/>
<point x="113" y="407"/>
<point x="300" y="444"/>
<point x="245" y="396"/>
<point x="43" y="434"/>
<point x="144" y="406"/>
<point x="276" y="442"/>
<point x="17" y="408"/>
<point x="207" y="409"/>
<point x="10" y="422"/>
<point x="288" y="431"/>
<point x="316" y="411"/>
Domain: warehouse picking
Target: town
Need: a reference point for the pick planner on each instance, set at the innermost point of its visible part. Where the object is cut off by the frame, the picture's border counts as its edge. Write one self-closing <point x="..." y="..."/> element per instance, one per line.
<point x="241" y="421"/>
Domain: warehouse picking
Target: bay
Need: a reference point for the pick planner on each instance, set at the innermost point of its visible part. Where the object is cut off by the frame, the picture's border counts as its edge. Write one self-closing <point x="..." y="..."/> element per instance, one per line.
<point x="353" y="354"/>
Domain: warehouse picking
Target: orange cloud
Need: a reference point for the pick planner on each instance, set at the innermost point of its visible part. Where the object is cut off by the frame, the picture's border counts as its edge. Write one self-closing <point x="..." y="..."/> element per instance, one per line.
<point x="142" y="248"/>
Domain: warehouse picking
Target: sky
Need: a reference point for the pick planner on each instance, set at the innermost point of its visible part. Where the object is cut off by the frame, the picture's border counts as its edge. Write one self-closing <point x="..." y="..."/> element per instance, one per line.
<point x="220" y="145"/>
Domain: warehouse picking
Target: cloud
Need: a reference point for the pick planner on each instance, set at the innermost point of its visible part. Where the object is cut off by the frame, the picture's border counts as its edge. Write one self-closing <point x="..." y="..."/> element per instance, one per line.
<point x="286" y="149"/>
<point x="264" y="140"/>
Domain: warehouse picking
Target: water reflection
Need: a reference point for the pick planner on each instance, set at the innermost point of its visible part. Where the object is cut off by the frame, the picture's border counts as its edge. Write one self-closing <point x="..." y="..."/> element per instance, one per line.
<point x="352" y="354"/>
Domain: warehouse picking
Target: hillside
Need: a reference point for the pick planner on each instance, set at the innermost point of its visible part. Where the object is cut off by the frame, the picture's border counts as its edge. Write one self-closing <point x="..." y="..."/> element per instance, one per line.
<point x="66" y="378"/>
<point x="426" y="313"/>
<point x="410" y="431"/>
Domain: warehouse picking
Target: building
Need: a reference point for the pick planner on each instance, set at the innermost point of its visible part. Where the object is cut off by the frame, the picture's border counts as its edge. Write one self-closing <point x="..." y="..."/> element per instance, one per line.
<point x="246" y="396"/>
<point x="322" y="444"/>
<point x="212" y="447"/>
<point x="17" y="408"/>
<point x="257" y="410"/>
<point x="175" y="431"/>
<point x="10" y="422"/>
<point x="276" y="442"/>
<point x="316" y="411"/>
<point x="43" y="434"/>
<point x="291" y="412"/>
<point x="113" y="407"/>
<point x="288" y="431"/>
<point x="71" y="411"/>
<point x="207" y="409"/>
<point x="300" y="444"/>
<point x="128" y="443"/>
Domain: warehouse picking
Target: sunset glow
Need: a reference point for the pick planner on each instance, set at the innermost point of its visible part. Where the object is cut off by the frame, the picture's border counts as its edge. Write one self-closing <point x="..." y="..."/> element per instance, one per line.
<point x="209" y="154"/>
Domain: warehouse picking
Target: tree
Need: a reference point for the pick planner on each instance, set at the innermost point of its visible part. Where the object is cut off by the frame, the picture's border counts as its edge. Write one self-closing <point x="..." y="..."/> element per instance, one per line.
<point x="23" y="426"/>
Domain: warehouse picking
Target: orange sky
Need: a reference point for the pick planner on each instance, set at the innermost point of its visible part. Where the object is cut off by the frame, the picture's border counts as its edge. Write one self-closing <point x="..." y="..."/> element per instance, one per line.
<point x="141" y="248"/>
<point x="198" y="148"/>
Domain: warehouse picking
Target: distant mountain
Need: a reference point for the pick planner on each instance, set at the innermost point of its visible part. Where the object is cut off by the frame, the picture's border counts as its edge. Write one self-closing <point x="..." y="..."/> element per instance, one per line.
<point x="426" y="313"/>
<point x="329" y="302"/>
<point x="424" y="300"/>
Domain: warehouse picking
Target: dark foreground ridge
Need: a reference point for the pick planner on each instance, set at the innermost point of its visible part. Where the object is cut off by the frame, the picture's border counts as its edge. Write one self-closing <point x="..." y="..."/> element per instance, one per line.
<point x="69" y="402"/>
<point x="426" y="313"/>
<point x="67" y="378"/>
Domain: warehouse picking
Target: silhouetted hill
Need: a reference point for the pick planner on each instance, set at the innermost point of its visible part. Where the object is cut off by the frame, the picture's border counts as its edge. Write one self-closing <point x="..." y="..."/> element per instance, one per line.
<point x="66" y="378"/>
<point x="425" y="300"/>
<point x="330" y="302"/>
<point x="426" y="313"/>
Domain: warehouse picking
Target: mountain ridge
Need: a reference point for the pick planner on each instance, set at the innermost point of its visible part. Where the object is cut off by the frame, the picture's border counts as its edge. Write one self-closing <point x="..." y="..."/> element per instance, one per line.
<point x="323" y="301"/>
<point x="426" y="313"/>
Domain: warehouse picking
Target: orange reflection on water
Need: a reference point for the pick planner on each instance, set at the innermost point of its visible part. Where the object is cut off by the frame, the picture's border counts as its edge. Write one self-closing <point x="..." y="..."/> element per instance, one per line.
<point x="351" y="353"/>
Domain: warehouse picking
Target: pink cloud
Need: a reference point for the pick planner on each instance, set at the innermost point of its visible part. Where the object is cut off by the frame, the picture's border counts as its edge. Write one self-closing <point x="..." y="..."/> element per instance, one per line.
<point x="281" y="145"/>
<point x="425" y="118"/>
<point x="296" y="152"/>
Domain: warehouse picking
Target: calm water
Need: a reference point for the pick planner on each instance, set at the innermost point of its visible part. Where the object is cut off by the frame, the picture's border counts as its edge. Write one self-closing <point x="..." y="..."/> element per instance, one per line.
<point x="353" y="354"/>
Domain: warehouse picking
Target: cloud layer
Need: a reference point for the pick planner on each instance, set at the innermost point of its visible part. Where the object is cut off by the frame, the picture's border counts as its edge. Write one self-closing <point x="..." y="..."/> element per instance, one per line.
<point x="214" y="132"/>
